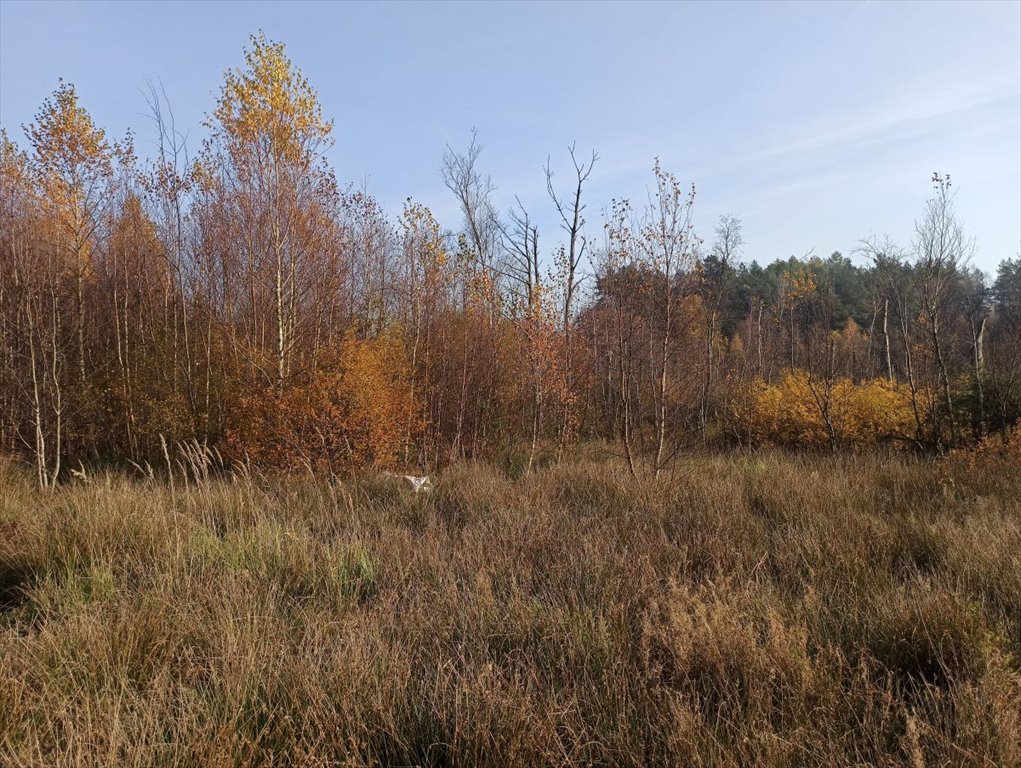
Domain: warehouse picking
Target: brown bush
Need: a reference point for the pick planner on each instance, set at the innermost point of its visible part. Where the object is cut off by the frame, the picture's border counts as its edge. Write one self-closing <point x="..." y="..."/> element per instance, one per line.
<point x="356" y="413"/>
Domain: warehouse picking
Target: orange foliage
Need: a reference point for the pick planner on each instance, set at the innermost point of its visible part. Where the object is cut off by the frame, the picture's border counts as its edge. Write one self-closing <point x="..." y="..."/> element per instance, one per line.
<point x="790" y="413"/>
<point x="1000" y="454"/>
<point x="355" y="414"/>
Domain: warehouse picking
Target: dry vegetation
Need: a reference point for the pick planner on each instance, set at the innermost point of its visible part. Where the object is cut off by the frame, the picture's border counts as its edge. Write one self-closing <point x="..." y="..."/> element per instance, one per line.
<point x="758" y="609"/>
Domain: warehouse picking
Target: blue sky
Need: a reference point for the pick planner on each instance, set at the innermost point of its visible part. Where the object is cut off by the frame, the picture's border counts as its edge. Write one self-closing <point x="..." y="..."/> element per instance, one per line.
<point x="816" y="123"/>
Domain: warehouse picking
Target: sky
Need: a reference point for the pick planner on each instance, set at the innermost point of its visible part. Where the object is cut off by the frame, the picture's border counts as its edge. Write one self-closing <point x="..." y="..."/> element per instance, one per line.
<point x="817" y="124"/>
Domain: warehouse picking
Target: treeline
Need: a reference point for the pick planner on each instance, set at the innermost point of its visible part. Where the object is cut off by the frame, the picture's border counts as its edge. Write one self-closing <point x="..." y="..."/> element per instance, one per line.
<point x="245" y="299"/>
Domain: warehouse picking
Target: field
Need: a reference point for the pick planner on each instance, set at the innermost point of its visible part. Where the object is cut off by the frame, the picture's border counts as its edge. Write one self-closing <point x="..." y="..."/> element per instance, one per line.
<point x="756" y="609"/>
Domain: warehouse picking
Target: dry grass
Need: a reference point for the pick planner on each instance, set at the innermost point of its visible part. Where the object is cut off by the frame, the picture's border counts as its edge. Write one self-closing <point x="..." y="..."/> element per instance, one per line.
<point x="759" y="609"/>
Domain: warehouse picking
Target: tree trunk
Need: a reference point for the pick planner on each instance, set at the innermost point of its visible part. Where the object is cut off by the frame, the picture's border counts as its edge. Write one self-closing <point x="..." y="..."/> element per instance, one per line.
<point x="944" y="377"/>
<point x="978" y="336"/>
<point x="886" y="340"/>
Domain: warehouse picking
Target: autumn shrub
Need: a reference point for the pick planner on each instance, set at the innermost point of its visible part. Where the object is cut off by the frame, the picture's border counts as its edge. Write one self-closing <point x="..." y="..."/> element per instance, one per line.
<point x="992" y="459"/>
<point x="1000" y="452"/>
<point x="794" y="412"/>
<point x="356" y="412"/>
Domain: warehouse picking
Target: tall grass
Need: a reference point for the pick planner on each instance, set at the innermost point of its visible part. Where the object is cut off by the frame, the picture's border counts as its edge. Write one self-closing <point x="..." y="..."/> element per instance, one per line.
<point x="759" y="609"/>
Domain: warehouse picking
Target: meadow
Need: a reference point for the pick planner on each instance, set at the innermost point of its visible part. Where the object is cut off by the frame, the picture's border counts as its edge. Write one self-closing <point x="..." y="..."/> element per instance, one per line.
<point x="755" y="609"/>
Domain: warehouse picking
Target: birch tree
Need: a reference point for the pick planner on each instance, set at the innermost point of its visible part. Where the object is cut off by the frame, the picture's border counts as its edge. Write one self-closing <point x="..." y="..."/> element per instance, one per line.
<point x="266" y="171"/>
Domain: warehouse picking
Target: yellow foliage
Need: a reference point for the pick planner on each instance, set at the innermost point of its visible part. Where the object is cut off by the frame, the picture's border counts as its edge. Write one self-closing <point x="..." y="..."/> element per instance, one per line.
<point x="270" y="105"/>
<point x="795" y="284"/>
<point x="67" y="143"/>
<point x="73" y="165"/>
<point x="793" y="412"/>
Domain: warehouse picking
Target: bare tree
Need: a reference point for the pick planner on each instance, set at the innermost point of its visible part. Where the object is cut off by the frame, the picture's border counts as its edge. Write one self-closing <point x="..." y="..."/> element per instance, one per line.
<point x="521" y="241"/>
<point x="473" y="191"/>
<point x="168" y="186"/>
<point x="668" y="245"/>
<point x="941" y="251"/>
<point x="716" y="274"/>
<point x="571" y="210"/>
<point x="572" y="221"/>
<point x="616" y="272"/>
<point x="977" y="309"/>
